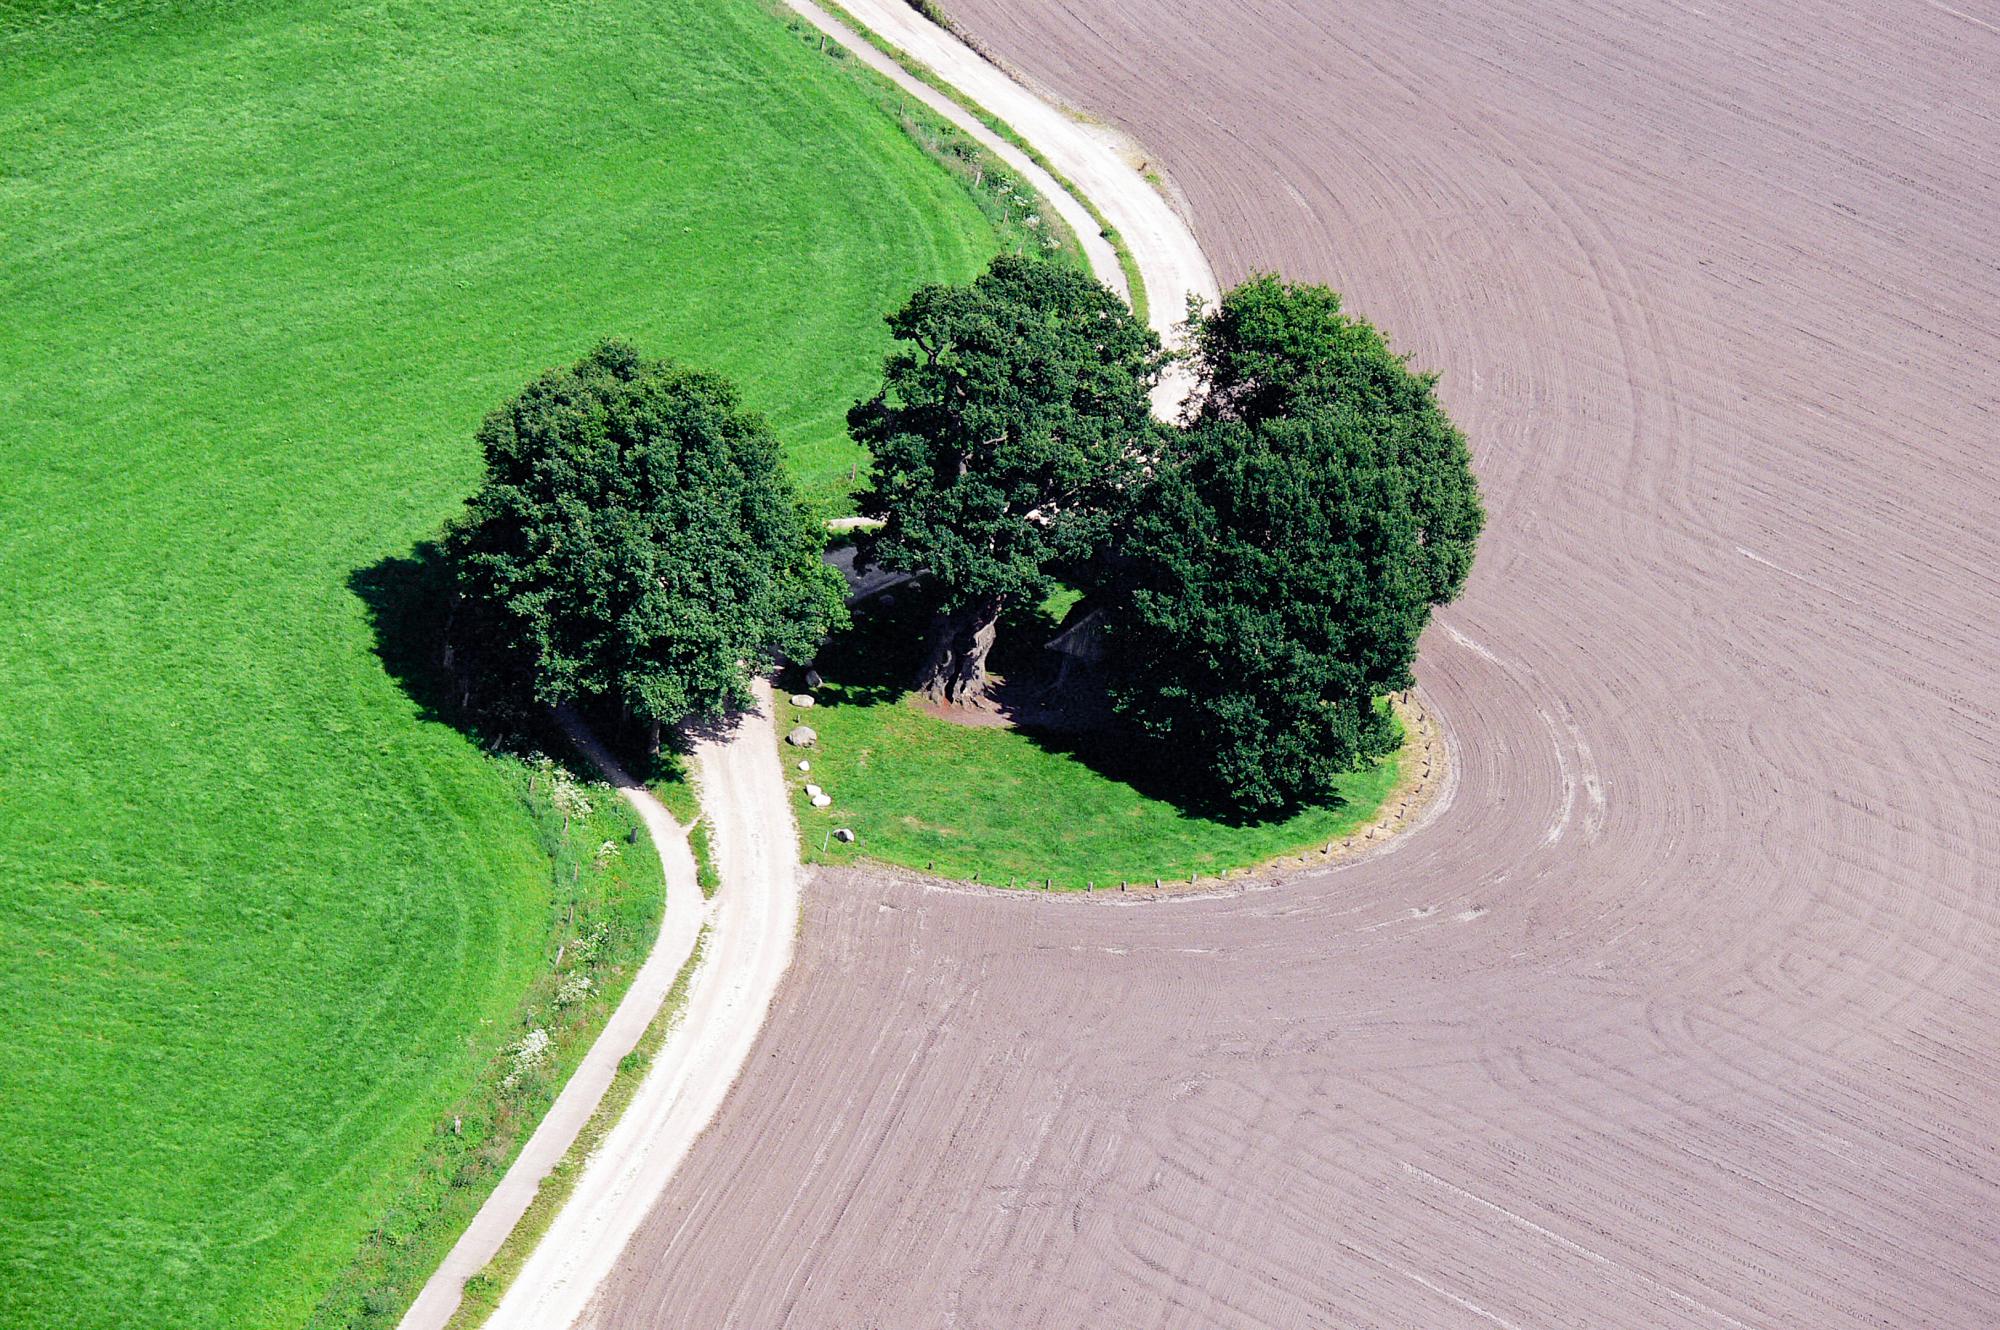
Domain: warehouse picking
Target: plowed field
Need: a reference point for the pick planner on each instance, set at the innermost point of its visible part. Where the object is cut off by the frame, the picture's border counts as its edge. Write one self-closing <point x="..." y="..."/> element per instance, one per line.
<point x="1683" y="1012"/>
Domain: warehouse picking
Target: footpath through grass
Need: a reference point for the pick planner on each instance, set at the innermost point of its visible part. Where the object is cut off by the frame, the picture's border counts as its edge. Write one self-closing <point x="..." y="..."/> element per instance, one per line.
<point x="1012" y="806"/>
<point x="268" y="921"/>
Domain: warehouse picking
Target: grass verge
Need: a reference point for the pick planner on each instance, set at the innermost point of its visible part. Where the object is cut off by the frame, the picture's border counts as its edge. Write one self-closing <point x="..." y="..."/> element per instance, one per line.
<point x="484" y="1290"/>
<point x="606" y="889"/>
<point x="682" y="800"/>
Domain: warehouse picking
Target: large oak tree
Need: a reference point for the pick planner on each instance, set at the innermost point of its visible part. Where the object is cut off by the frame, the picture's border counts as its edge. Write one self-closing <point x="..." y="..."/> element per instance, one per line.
<point x="1278" y="569"/>
<point x="636" y="539"/>
<point x="1010" y="424"/>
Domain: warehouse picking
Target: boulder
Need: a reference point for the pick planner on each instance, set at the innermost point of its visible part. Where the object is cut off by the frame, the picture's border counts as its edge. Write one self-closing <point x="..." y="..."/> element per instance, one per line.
<point x="842" y="834"/>
<point x="813" y="791"/>
<point x="802" y="700"/>
<point x="822" y="801"/>
<point x="805" y="766"/>
<point x="802" y="736"/>
<point x="813" y="679"/>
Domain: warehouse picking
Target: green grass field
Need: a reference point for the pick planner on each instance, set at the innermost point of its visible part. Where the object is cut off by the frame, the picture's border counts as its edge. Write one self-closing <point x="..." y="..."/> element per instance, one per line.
<point x="1010" y="805"/>
<point x="264" y="268"/>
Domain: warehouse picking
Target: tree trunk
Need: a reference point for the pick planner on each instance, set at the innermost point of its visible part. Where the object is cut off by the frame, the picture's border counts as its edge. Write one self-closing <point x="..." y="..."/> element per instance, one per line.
<point x="954" y="669"/>
<point x="652" y="737"/>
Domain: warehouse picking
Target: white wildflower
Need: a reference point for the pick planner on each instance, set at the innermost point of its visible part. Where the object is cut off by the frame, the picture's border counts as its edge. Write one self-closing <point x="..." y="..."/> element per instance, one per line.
<point x="529" y="1054"/>
<point x="574" y="989"/>
<point x="585" y="947"/>
<point x="569" y="798"/>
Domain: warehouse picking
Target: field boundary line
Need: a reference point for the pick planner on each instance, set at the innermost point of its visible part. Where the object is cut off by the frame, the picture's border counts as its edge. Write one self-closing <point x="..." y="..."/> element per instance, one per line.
<point x="752" y="922"/>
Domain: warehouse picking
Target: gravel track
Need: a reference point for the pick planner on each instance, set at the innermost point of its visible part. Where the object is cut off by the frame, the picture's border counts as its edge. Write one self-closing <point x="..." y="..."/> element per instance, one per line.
<point x="1682" y="1012"/>
<point x="753" y="919"/>
<point x="680" y="925"/>
<point x="1171" y="262"/>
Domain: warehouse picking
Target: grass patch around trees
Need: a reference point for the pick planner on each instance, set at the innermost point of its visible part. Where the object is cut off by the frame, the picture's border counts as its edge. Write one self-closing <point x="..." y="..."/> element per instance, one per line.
<point x="1020" y="805"/>
<point x="268" y="917"/>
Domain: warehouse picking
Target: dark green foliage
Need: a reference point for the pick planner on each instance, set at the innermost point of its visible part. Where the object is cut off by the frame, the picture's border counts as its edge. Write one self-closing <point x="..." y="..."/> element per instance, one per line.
<point x="1275" y="350"/>
<point x="636" y="539"/>
<point x="1007" y="426"/>
<point x="1282" y="563"/>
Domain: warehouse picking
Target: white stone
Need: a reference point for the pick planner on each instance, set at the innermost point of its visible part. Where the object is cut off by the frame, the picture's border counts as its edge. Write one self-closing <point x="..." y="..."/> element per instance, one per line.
<point x="805" y="766"/>
<point x="802" y="700"/>
<point x="813" y="791"/>
<point x="822" y="801"/>
<point x="842" y="834"/>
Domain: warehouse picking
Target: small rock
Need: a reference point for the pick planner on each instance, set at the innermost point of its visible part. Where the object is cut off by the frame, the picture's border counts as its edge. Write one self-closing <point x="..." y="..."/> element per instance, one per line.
<point x="802" y="700"/>
<point x="887" y="600"/>
<point x="842" y="834"/>
<point x="822" y="801"/>
<point x="805" y="766"/>
<point x="802" y="736"/>
<point x="813" y="679"/>
<point x="813" y="791"/>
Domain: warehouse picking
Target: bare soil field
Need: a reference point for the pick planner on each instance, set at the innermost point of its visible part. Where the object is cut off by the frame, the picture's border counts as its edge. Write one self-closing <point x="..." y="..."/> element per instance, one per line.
<point x="1683" y="1011"/>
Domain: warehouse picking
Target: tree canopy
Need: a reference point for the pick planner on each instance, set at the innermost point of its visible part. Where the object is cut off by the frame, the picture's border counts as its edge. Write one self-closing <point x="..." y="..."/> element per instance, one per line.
<point x="1009" y="423"/>
<point x="636" y="539"/>
<point x="1277" y="570"/>
<point x="1274" y="349"/>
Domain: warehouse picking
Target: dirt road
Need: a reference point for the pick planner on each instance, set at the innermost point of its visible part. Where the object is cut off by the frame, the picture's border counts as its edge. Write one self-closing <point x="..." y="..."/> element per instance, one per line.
<point x="1171" y="262"/>
<point x="552" y="1138"/>
<point x="1683" y="1013"/>
<point x="753" y="919"/>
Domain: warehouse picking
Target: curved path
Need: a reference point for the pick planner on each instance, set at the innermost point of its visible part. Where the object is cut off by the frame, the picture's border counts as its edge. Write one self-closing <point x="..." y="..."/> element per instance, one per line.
<point x="752" y="922"/>
<point x="680" y="925"/>
<point x="1171" y="262"/>
<point x="753" y="918"/>
<point x="1683" y="1013"/>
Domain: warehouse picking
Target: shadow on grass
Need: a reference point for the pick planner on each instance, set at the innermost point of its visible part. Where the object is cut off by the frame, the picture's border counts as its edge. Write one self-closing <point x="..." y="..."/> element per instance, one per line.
<point x="412" y="611"/>
<point x="408" y="602"/>
<point x="873" y="662"/>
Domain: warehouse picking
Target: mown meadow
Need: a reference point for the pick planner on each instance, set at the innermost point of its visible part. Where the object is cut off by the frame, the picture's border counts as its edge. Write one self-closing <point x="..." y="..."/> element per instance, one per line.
<point x="266" y="917"/>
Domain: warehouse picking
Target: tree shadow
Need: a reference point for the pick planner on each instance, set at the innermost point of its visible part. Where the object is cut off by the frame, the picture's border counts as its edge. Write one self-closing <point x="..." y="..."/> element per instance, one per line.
<point x="871" y="661"/>
<point x="1119" y="752"/>
<point x="1062" y="711"/>
<point x="412" y="609"/>
<point x="407" y="598"/>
